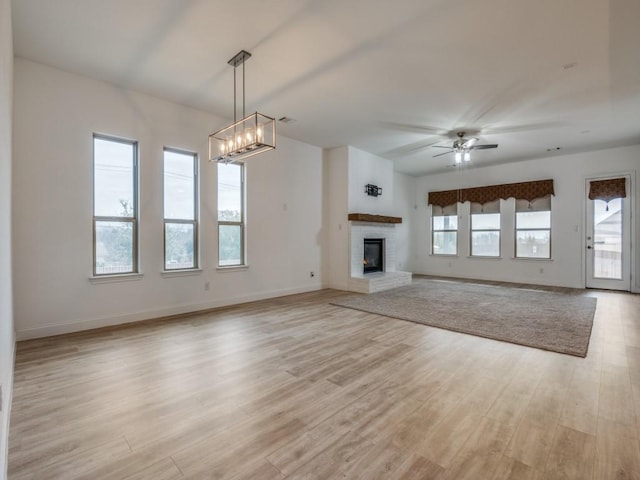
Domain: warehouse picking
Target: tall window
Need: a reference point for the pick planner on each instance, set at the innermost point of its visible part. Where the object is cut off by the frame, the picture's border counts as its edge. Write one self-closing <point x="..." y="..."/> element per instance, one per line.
<point x="485" y="229"/>
<point x="115" y="206"/>
<point x="444" y="228"/>
<point x="180" y="210"/>
<point x="533" y="228"/>
<point x="231" y="215"/>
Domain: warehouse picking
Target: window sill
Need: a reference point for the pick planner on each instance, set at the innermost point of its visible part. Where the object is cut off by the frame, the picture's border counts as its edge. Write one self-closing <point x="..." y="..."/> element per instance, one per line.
<point x="533" y="259"/>
<point x="232" y="268"/>
<point x="481" y="257"/>
<point x="125" y="277"/>
<point x="446" y="255"/>
<point x="180" y="273"/>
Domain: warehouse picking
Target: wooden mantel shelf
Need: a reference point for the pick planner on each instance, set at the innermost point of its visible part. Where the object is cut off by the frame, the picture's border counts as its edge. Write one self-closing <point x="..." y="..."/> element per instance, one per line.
<point x="365" y="217"/>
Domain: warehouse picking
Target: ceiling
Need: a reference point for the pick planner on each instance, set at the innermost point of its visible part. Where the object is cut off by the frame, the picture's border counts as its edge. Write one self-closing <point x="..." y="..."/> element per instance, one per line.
<point x="391" y="78"/>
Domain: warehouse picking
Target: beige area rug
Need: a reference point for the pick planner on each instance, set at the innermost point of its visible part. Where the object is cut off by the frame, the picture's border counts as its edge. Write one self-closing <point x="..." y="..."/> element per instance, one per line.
<point x="559" y="322"/>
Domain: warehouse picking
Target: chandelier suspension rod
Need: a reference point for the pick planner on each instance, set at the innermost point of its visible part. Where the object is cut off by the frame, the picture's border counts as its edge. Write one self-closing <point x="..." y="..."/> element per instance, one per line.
<point x="235" y="82"/>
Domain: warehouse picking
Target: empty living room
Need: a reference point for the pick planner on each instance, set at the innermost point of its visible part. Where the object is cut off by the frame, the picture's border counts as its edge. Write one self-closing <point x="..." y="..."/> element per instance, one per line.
<point x="322" y="240"/>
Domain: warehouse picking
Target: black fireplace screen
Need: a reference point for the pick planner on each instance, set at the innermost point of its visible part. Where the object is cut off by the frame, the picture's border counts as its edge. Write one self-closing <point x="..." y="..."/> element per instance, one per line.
<point x="373" y="255"/>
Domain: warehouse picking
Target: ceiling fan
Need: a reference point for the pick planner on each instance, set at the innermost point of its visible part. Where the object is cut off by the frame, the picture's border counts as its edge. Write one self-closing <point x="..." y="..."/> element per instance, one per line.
<point x="462" y="148"/>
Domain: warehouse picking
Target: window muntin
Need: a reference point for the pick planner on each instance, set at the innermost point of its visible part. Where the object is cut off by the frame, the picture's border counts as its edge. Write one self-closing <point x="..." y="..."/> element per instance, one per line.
<point x="444" y="239"/>
<point x="115" y="206"/>
<point x="485" y="234"/>
<point x="231" y="215"/>
<point x="180" y="210"/>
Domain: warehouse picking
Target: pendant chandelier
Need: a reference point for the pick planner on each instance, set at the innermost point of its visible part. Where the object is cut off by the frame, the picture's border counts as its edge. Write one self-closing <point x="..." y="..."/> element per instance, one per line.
<point x="252" y="134"/>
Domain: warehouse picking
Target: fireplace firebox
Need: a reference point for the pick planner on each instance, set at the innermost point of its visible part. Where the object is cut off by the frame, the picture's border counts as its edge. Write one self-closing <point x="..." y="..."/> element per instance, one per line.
<point x="373" y="255"/>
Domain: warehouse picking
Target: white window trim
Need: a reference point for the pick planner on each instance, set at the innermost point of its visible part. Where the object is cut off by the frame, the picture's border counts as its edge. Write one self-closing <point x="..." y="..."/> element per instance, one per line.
<point x="135" y="221"/>
<point x="196" y="213"/>
<point x="242" y="224"/>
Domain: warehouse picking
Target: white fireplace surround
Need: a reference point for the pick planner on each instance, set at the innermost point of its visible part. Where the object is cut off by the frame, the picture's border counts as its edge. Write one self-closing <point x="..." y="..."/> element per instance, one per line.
<point x="374" y="282"/>
<point x="362" y="230"/>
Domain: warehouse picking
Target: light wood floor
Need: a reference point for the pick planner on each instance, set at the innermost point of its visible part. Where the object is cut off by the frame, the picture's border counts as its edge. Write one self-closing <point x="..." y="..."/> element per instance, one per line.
<point x="296" y="388"/>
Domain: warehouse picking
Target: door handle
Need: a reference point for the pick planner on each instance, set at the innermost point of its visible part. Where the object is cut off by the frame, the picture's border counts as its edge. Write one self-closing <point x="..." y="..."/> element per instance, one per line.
<point x="589" y="246"/>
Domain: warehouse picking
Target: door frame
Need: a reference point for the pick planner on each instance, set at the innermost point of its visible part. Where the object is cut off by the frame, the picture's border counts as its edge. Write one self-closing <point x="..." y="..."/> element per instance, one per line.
<point x="631" y="195"/>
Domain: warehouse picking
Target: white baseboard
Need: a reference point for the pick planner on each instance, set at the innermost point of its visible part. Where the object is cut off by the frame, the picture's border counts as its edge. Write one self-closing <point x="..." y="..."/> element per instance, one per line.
<point x="88" y="324"/>
<point x="7" y="395"/>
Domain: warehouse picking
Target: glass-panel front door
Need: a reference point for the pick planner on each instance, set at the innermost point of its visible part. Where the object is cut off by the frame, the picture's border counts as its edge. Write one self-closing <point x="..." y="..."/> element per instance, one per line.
<point x="608" y="243"/>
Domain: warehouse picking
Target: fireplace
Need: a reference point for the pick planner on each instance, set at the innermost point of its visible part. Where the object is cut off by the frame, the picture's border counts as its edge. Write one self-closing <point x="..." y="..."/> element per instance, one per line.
<point x="373" y="255"/>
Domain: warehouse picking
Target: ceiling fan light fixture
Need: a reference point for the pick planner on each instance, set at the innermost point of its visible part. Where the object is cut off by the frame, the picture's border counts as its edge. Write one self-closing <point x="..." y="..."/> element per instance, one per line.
<point x="471" y="142"/>
<point x="458" y="157"/>
<point x="467" y="156"/>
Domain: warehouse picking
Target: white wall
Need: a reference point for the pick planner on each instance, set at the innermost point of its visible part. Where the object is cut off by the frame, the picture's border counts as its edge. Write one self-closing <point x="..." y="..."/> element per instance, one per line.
<point x="569" y="173"/>
<point x="337" y="201"/>
<point x="55" y="115"/>
<point x="405" y="206"/>
<point x="7" y="336"/>
<point x="366" y="168"/>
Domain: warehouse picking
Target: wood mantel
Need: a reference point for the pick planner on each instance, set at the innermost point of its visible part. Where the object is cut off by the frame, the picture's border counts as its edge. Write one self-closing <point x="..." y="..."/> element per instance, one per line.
<point x="365" y="217"/>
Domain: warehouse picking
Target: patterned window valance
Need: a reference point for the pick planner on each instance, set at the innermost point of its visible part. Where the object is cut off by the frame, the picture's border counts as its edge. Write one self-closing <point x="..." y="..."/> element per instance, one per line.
<point x="607" y="190"/>
<point x="443" y="198"/>
<point x="520" y="191"/>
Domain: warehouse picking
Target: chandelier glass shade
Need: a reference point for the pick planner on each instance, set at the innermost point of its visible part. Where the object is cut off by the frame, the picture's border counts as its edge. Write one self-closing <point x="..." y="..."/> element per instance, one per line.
<point x="251" y="135"/>
<point x="255" y="133"/>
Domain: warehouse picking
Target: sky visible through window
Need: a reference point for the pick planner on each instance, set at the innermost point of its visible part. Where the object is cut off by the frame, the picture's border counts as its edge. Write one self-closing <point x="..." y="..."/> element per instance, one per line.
<point x="179" y="186"/>
<point x="113" y="178"/>
<point x="229" y="192"/>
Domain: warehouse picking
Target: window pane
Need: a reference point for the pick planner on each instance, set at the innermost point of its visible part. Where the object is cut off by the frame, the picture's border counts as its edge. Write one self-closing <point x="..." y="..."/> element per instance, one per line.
<point x="179" y="244"/>
<point x="229" y="245"/>
<point x="445" y="243"/>
<point x="533" y="220"/>
<point x="446" y="222"/>
<point x="113" y="178"/>
<point x="533" y="244"/>
<point x="114" y="247"/>
<point x="607" y="239"/>
<point x="485" y="244"/>
<point x="485" y="221"/>
<point x="229" y="192"/>
<point x="179" y="184"/>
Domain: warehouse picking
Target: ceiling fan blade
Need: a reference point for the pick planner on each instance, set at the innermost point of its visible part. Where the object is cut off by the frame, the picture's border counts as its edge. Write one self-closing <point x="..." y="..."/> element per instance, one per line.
<point x="440" y="146"/>
<point x="409" y="149"/>
<point x="445" y="153"/>
<point x="405" y="127"/>
<point x="484" y="147"/>
<point x="522" y="128"/>
<point x="470" y="143"/>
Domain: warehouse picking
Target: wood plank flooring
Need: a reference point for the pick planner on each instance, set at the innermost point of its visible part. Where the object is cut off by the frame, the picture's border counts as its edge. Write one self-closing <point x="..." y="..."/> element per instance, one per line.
<point x="294" y="388"/>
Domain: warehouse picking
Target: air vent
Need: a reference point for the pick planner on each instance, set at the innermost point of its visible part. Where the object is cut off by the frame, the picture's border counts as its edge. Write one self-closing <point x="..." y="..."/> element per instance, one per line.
<point x="287" y="120"/>
<point x="553" y="149"/>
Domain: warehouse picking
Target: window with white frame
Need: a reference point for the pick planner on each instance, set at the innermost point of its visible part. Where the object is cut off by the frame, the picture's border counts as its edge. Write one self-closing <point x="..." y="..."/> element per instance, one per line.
<point x="444" y="230"/>
<point x="180" y="174"/>
<point x="533" y="228"/>
<point x="231" y="215"/>
<point x="485" y="229"/>
<point x="115" y="205"/>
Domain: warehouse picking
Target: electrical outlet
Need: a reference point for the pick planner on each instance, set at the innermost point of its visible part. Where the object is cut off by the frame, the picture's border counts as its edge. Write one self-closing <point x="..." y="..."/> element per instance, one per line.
<point x="207" y="285"/>
<point x="312" y="274"/>
<point x="541" y="270"/>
